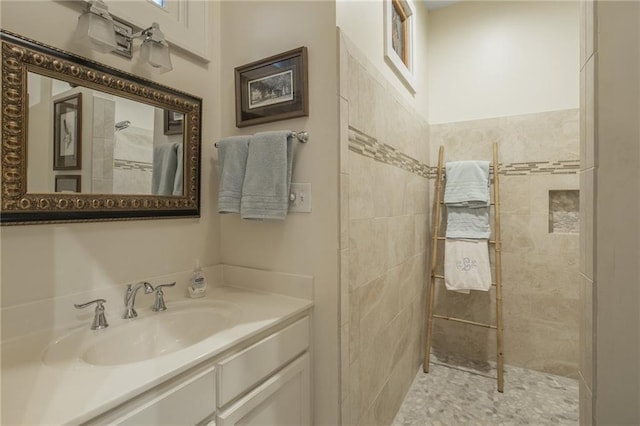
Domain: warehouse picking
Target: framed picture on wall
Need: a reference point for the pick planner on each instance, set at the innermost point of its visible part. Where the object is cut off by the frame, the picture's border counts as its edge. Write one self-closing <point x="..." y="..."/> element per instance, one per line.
<point x="173" y="122"/>
<point x="399" y="36"/>
<point x="67" y="133"/>
<point x="68" y="183"/>
<point x="272" y="89"/>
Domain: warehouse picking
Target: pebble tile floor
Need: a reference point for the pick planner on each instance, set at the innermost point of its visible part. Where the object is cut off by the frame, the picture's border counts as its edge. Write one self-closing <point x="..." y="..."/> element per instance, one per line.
<point x="457" y="392"/>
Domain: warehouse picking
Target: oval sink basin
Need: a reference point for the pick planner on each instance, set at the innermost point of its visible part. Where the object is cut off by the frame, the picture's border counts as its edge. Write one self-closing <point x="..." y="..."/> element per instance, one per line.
<point x="151" y="335"/>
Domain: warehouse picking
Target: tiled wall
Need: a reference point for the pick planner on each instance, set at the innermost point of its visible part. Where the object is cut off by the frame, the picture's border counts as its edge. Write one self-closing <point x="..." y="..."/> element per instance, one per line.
<point x="384" y="227"/>
<point x="538" y="153"/>
<point x="587" y="208"/>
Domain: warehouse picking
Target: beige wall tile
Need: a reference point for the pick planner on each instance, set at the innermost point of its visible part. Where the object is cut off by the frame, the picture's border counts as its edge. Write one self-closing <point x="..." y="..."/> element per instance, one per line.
<point x="400" y="239"/>
<point x="389" y="188"/>
<point x="586" y="404"/>
<point x="586" y="331"/>
<point x="344" y="286"/>
<point x="587" y="236"/>
<point x="590" y="105"/>
<point x="344" y="210"/>
<point x="361" y="188"/>
<point x="344" y="136"/>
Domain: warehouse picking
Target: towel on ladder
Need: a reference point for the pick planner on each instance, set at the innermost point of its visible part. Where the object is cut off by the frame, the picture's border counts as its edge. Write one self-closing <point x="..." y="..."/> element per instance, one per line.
<point x="466" y="252"/>
<point x="466" y="265"/>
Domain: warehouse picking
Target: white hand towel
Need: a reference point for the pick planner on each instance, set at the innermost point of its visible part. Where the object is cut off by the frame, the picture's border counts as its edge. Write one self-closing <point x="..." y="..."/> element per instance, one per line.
<point x="232" y="164"/>
<point x="466" y="265"/>
<point x="467" y="183"/>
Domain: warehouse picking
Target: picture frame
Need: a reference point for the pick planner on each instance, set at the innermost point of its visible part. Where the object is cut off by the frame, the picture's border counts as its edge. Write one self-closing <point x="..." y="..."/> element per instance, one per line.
<point x="399" y="36"/>
<point x="68" y="183"/>
<point x="67" y="133"/>
<point x="173" y="122"/>
<point x="272" y="89"/>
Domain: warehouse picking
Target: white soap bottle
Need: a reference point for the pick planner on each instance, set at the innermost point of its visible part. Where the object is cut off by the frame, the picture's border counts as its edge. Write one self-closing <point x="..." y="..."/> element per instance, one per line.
<point x="197" y="282"/>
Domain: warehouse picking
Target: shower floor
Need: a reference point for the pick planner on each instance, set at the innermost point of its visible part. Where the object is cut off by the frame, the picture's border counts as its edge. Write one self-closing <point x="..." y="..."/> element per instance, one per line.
<point x="457" y="392"/>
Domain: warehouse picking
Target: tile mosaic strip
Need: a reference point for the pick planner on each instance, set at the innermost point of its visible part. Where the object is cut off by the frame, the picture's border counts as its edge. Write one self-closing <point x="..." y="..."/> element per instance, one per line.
<point x="363" y="144"/>
<point x="562" y="167"/>
<point x="132" y="165"/>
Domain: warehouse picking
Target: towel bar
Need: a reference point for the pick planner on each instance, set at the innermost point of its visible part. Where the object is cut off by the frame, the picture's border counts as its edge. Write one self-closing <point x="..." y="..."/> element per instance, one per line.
<point x="302" y="136"/>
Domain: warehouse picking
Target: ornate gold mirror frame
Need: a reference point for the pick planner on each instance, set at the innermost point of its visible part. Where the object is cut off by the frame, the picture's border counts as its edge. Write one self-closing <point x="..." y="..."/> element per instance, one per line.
<point x="20" y="55"/>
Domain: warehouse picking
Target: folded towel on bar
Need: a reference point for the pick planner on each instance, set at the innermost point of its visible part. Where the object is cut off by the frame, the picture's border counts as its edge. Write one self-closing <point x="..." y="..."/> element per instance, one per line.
<point x="466" y="222"/>
<point x="232" y="163"/>
<point x="466" y="265"/>
<point x="265" y="191"/>
<point x="165" y="162"/>
<point x="178" y="182"/>
<point x="467" y="183"/>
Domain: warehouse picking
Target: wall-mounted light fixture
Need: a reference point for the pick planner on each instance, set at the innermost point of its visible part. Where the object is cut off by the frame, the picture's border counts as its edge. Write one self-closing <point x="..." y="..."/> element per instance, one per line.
<point x="97" y="28"/>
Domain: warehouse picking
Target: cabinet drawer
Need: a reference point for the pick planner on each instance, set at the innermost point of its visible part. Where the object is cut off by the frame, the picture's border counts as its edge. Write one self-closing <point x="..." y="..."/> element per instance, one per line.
<point x="243" y="370"/>
<point x="188" y="401"/>
<point x="282" y="400"/>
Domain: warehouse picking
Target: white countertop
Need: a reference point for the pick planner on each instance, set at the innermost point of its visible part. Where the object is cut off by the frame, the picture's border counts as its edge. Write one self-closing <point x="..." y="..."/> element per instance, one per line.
<point x="34" y="393"/>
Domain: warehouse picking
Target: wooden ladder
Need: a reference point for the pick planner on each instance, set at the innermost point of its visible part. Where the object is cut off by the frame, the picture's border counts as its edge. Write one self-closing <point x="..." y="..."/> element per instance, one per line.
<point x="497" y="246"/>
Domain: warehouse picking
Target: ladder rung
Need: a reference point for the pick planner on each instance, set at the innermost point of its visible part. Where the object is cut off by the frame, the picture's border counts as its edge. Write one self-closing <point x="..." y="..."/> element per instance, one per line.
<point x="444" y="238"/>
<point x="442" y="278"/>
<point x="491" y="204"/>
<point x="479" y="324"/>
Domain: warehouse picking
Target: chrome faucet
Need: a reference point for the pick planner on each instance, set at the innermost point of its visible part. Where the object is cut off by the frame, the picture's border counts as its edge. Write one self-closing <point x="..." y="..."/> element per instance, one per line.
<point x="99" y="319"/>
<point x="130" y="298"/>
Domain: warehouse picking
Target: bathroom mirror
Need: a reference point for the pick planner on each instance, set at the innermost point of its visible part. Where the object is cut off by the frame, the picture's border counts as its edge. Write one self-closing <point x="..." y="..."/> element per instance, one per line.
<point x="82" y="141"/>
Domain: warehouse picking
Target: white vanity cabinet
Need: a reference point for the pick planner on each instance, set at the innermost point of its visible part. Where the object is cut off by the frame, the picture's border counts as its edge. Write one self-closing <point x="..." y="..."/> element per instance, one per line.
<point x="266" y="383"/>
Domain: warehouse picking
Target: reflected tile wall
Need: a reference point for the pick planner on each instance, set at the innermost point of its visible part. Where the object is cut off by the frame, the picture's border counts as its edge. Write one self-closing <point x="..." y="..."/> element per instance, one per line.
<point x="538" y="153"/>
<point x="384" y="164"/>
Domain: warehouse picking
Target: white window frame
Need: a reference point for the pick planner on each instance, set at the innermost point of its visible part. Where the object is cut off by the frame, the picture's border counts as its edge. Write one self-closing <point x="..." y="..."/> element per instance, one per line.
<point x="406" y="72"/>
<point x="185" y="23"/>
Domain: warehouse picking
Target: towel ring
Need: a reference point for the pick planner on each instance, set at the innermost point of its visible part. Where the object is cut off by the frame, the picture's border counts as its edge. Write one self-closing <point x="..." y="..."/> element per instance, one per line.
<point x="302" y="136"/>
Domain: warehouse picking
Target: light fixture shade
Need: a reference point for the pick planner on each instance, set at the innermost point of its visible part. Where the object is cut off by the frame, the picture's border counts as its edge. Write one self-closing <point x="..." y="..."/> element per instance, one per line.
<point x="157" y="55"/>
<point x="97" y="31"/>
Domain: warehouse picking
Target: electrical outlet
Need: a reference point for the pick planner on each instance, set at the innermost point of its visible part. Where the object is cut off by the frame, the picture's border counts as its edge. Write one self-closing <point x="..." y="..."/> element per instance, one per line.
<point x="300" y="198"/>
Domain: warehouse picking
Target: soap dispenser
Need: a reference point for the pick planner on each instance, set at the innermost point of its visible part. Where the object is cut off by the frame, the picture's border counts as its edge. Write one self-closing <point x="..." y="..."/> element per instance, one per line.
<point x="197" y="282"/>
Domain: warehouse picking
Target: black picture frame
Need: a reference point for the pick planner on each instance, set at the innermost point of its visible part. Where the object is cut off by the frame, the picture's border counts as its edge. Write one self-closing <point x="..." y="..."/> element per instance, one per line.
<point x="67" y="133"/>
<point x="68" y="183"/>
<point x="272" y="89"/>
<point x="173" y="122"/>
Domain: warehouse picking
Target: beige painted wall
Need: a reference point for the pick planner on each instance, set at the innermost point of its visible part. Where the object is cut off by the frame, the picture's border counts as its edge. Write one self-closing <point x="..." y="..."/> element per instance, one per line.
<point x="42" y="261"/>
<point x="499" y="58"/>
<point x="303" y="243"/>
<point x="362" y="22"/>
<point x="615" y="234"/>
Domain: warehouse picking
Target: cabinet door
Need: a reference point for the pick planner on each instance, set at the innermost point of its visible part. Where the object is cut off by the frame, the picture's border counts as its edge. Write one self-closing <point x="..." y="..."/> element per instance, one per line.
<point x="283" y="400"/>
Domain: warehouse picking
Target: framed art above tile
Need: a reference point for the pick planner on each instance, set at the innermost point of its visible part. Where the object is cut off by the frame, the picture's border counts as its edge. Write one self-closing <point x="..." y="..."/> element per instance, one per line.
<point x="399" y="40"/>
<point x="272" y="89"/>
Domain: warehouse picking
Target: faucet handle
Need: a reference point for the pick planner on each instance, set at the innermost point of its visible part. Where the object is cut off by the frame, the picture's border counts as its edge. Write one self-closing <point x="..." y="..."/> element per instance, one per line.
<point x="158" y="304"/>
<point x="99" y="319"/>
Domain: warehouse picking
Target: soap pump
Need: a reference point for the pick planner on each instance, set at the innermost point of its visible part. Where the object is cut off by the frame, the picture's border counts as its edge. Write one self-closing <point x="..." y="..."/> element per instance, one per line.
<point x="197" y="282"/>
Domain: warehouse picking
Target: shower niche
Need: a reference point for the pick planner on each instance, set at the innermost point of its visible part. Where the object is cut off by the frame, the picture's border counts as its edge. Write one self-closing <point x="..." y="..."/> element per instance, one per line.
<point x="564" y="211"/>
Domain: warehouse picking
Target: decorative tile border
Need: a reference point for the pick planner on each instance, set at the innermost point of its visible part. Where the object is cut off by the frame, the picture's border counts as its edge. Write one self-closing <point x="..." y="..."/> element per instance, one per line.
<point x="369" y="147"/>
<point x="563" y="167"/>
<point x="132" y="165"/>
<point x="363" y="144"/>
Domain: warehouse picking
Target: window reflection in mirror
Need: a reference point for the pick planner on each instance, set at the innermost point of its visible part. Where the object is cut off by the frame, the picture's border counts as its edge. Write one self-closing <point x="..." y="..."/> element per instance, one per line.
<point x="124" y="146"/>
